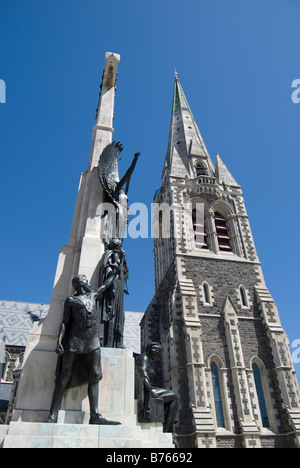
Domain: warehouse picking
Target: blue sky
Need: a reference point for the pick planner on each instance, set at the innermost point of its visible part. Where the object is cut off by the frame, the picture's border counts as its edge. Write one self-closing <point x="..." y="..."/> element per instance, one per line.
<point x="235" y="60"/>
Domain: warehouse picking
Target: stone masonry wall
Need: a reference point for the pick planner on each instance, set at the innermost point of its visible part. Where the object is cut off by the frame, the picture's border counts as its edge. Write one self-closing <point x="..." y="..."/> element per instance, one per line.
<point x="224" y="278"/>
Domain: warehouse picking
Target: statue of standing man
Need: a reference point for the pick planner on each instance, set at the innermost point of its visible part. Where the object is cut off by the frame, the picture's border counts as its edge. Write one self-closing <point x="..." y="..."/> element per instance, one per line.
<point x="78" y="347"/>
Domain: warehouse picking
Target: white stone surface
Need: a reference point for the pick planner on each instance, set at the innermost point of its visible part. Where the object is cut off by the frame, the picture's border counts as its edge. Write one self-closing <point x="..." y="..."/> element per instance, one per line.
<point x="3" y="431"/>
<point x="116" y="389"/>
<point x="36" y="435"/>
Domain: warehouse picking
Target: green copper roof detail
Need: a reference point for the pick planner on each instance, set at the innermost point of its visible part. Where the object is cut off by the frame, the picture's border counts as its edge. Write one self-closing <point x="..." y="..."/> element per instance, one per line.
<point x="179" y="99"/>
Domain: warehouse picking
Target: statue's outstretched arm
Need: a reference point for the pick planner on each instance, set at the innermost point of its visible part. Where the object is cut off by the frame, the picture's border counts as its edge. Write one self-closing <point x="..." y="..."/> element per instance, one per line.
<point x="127" y="176"/>
<point x="107" y="283"/>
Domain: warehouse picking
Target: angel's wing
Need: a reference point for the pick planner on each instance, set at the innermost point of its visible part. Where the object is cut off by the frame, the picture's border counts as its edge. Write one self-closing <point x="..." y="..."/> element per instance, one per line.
<point x="108" y="167"/>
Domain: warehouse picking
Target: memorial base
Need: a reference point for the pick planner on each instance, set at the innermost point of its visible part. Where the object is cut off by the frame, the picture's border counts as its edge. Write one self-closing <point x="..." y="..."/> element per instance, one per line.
<point x="29" y="427"/>
<point x="45" y="435"/>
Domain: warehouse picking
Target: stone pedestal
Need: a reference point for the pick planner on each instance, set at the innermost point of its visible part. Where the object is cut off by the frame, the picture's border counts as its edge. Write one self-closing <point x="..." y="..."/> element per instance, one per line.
<point x="29" y="428"/>
<point x="43" y="435"/>
<point x="116" y="389"/>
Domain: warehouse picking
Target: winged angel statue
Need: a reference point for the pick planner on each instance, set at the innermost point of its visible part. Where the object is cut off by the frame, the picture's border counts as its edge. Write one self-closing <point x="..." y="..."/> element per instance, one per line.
<point x="115" y="196"/>
<point x="115" y="221"/>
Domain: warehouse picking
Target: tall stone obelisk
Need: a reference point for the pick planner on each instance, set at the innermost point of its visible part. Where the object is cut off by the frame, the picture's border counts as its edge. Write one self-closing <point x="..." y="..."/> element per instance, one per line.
<point x="81" y="255"/>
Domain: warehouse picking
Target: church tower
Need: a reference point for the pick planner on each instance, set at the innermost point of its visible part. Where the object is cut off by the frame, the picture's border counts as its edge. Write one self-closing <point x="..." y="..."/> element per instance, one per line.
<point x="225" y="351"/>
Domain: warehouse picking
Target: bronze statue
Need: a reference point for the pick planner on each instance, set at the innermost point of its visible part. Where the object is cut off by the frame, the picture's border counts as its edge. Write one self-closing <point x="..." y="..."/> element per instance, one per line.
<point x="114" y="226"/>
<point x="112" y="301"/>
<point x="108" y="171"/>
<point x="144" y="388"/>
<point x="78" y="346"/>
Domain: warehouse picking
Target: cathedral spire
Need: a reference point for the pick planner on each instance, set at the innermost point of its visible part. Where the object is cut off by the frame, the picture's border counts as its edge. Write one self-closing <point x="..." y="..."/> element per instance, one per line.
<point x="185" y="140"/>
<point x="179" y="99"/>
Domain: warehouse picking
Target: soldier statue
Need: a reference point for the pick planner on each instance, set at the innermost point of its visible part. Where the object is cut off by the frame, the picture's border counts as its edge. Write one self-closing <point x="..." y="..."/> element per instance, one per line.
<point x="78" y="346"/>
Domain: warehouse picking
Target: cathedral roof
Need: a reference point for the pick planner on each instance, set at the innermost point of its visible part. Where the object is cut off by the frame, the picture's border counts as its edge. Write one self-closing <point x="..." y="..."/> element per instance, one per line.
<point x="18" y="319"/>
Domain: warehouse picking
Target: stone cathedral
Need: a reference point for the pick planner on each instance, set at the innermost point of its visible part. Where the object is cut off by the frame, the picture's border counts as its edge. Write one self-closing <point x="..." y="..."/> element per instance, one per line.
<point x="225" y="351"/>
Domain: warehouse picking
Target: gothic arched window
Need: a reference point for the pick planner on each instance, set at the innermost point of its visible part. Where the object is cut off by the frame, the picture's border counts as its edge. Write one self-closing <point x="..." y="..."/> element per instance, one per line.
<point x="260" y="395"/>
<point x="200" y="169"/>
<point x="206" y="294"/>
<point x="3" y="368"/>
<point x="160" y="221"/>
<point x="217" y="395"/>
<point x="222" y="232"/>
<point x="243" y="295"/>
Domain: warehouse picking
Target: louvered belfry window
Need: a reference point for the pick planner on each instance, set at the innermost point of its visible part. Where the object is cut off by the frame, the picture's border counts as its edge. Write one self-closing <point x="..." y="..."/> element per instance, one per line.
<point x="200" y="234"/>
<point x="222" y="232"/>
<point x="200" y="169"/>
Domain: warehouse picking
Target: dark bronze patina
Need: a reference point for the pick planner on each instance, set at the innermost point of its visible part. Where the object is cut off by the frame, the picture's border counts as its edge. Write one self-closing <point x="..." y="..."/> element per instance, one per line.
<point x="145" y="388"/>
<point x="78" y="346"/>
